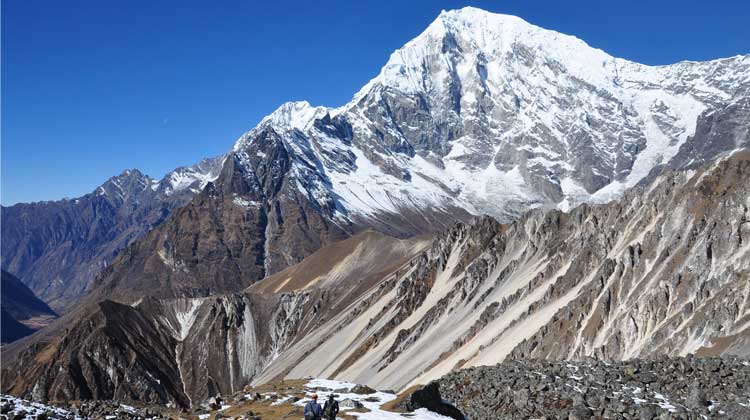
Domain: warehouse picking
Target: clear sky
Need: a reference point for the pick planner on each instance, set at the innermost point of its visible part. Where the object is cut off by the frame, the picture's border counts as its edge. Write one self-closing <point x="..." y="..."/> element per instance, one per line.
<point x="91" y="88"/>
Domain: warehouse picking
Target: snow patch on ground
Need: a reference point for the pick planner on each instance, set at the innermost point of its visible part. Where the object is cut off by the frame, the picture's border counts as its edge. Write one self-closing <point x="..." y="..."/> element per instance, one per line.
<point x="34" y="409"/>
<point x="180" y="180"/>
<point x="186" y="312"/>
<point x="239" y="201"/>
<point x="376" y="412"/>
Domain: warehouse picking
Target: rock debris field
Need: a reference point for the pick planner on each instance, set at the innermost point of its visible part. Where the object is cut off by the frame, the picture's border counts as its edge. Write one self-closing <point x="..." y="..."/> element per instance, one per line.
<point x="664" y="388"/>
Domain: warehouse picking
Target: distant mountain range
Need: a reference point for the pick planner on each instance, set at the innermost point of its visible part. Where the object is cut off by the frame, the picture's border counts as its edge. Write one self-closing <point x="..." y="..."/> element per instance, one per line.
<point x="58" y="247"/>
<point x="350" y="242"/>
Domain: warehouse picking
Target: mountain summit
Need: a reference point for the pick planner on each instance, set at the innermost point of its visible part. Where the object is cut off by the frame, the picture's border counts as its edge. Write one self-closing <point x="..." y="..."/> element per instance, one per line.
<point x="493" y="115"/>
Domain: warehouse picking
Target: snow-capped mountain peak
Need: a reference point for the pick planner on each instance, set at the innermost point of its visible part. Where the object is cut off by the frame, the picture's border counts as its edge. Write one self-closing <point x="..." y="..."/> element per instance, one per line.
<point x="193" y="178"/>
<point x="491" y="114"/>
<point x="297" y="114"/>
<point x="480" y="35"/>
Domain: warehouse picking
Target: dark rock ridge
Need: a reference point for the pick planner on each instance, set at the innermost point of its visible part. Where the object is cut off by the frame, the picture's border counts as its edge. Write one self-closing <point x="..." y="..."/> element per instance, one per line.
<point x="185" y="350"/>
<point x="22" y="311"/>
<point x="254" y="220"/>
<point x="12" y="329"/>
<point x="661" y="388"/>
<point x="58" y="247"/>
<point x="251" y="222"/>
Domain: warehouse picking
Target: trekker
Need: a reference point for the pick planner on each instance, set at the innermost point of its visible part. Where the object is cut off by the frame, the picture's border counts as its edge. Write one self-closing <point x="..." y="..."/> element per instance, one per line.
<point x="331" y="408"/>
<point x="313" y="411"/>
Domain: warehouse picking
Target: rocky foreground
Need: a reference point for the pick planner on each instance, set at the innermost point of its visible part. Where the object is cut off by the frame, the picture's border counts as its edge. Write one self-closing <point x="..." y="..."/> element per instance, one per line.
<point x="665" y="388"/>
<point x="271" y="401"/>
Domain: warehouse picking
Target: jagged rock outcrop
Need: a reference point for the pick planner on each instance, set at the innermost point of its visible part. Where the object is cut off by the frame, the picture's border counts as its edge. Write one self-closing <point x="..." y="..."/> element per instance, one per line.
<point x="429" y="397"/>
<point x="251" y="222"/>
<point x="719" y="130"/>
<point x="58" y="247"/>
<point x="115" y="352"/>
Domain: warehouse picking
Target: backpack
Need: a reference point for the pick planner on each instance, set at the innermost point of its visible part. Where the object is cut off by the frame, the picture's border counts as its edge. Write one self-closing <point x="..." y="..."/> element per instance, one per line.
<point x="331" y="409"/>
<point x="309" y="414"/>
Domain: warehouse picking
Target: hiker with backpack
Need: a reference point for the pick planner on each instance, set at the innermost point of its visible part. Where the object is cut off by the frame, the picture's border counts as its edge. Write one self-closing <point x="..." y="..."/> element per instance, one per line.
<point x="313" y="410"/>
<point x="331" y="408"/>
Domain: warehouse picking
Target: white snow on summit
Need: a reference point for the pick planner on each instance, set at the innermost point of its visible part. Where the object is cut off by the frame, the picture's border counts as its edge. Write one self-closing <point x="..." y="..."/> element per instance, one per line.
<point x="297" y="115"/>
<point x="501" y="116"/>
<point x="195" y="177"/>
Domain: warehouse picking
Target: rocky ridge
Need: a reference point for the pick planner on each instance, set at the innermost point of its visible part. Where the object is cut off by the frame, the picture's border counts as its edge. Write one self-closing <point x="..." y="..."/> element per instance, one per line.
<point x="182" y="351"/>
<point x="663" y="271"/>
<point x="58" y="247"/>
<point x="662" y="388"/>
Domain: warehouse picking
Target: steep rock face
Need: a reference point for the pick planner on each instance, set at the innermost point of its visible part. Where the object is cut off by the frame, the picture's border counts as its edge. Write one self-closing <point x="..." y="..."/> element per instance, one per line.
<point x="719" y="130"/>
<point x="198" y="347"/>
<point x="114" y="352"/>
<point x="58" y="247"/>
<point x="251" y="222"/>
<point x="663" y="271"/>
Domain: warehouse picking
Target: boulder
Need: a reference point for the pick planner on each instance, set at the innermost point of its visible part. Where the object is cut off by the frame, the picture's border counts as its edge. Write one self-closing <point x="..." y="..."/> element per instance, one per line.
<point x="429" y="397"/>
<point x="350" y="404"/>
<point x="363" y="389"/>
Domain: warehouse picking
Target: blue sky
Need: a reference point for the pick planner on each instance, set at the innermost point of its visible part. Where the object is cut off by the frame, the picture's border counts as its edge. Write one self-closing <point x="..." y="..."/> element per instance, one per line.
<point x="91" y="88"/>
